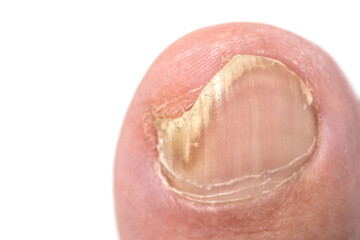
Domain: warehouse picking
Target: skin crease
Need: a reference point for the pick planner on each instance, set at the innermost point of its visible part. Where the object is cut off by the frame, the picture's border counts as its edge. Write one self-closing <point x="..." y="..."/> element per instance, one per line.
<point x="322" y="203"/>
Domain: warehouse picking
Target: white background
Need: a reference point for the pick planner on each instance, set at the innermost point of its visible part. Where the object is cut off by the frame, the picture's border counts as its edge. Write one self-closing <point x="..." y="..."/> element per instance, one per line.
<point x="68" y="70"/>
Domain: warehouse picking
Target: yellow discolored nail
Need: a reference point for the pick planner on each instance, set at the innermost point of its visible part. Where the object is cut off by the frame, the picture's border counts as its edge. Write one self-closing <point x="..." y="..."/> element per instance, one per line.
<point x="250" y="131"/>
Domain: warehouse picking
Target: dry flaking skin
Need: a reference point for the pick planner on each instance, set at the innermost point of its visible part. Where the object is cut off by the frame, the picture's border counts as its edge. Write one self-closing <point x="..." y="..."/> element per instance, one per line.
<point x="250" y="131"/>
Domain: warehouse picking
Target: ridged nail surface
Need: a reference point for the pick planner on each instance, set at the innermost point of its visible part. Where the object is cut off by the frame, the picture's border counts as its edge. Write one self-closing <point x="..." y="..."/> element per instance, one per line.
<point x="250" y="131"/>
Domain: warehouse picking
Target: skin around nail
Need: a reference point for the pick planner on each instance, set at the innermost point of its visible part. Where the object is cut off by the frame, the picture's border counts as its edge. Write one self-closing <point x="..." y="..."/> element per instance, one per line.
<point x="240" y="131"/>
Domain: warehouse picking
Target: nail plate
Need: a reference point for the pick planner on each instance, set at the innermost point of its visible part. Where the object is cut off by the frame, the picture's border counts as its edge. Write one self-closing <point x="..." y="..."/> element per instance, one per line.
<point x="250" y="131"/>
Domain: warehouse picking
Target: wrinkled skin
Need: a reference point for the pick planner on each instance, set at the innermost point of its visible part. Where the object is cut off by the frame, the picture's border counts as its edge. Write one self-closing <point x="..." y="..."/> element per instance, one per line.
<point x="322" y="203"/>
